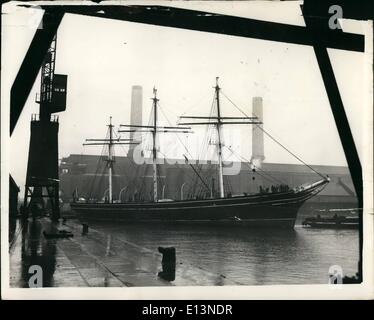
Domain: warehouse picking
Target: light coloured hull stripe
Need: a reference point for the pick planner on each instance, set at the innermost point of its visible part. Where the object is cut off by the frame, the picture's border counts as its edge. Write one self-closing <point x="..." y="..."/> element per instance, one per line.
<point x="250" y="204"/>
<point x="209" y="220"/>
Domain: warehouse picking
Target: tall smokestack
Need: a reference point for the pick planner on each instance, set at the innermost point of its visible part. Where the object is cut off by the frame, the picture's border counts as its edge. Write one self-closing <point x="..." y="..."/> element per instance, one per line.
<point x="257" y="134"/>
<point x="136" y="115"/>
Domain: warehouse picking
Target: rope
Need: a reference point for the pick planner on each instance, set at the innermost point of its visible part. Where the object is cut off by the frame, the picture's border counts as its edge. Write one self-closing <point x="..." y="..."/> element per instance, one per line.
<point x="197" y="170"/>
<point x="204" y="147"/>
<point x="257" y="168"/>
<point x="162" y="111"/>
<point x="97" y="168"/>
<point x="271" y="137"/>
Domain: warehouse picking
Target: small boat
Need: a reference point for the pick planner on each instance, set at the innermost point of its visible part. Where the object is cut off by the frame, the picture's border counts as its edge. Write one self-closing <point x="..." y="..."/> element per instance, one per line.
<point x="276" y="208"/>
<point x="334" y="221"/>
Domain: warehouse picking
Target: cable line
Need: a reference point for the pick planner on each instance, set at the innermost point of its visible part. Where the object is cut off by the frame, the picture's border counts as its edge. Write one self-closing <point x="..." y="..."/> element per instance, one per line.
<point x="271" y="137"/>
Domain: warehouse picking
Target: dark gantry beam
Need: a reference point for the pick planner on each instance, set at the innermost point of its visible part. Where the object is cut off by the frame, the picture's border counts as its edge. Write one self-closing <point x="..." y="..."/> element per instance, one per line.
<point x="31" y="64"/>
<point x="341" y="121"/>
<point x="219" y="23"/>
<point x="168" y="17"/>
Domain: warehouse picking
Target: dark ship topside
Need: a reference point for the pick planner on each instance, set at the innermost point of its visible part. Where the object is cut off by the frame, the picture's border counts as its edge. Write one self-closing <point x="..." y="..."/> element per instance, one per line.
<point x="262" y="210"/>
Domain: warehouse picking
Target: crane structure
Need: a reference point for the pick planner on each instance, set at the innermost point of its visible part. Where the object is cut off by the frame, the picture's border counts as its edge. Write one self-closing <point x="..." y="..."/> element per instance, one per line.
<point x="42" y="177"/>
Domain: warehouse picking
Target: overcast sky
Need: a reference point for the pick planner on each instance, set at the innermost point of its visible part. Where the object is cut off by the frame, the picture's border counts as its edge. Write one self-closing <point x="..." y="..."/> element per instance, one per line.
<point x="104" y="58"/>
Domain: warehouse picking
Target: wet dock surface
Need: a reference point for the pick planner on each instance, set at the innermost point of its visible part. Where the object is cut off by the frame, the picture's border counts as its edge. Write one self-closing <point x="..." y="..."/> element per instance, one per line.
<point x="96" y="259"/>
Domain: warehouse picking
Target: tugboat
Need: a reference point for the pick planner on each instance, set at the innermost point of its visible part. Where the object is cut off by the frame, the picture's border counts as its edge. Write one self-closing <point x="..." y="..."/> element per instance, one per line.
<point x="277" y="208"/>
<point x="334" y="221"/>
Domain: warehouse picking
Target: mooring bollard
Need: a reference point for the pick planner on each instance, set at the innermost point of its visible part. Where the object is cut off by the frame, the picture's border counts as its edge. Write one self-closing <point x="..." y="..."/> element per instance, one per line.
<point x="84" y="229"/>
<point x="168" y="263"/>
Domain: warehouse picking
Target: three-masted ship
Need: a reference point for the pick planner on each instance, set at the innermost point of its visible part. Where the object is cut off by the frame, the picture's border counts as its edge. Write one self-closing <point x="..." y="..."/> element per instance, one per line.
<point x="277" y="209"/>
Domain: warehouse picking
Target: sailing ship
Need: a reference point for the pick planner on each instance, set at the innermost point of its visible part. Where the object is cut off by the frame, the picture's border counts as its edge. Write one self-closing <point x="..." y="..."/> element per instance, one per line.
<point x="277" y="208"/>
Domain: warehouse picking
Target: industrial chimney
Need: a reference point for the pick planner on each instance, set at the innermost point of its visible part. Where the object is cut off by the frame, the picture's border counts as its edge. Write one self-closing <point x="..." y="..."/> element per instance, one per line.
<point x="136" y="115"/>
<point x="257" y="134"/>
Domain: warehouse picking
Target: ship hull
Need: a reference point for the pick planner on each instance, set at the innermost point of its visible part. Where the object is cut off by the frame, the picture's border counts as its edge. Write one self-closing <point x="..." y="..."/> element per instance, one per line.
<point x="260" y="216"/>
<point x="278" y="210"/>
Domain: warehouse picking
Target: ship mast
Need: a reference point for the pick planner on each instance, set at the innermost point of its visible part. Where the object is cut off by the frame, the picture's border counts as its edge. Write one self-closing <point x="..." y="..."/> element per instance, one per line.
<point x="154" y="129"/>
<point x="218" y="121"/>
<point x="110" y="160"/>
<point x="154" y="151"/>
<point x="219" y="146"/>
<point x="110" y="143"/>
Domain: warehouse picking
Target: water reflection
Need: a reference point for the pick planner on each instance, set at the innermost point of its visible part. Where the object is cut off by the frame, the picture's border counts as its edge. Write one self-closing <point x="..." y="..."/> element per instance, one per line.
<point x="108" y="245"/>
<point x="36" y="250"/>
<point x="246" y="256"/>
<point x="12" y="229"/>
